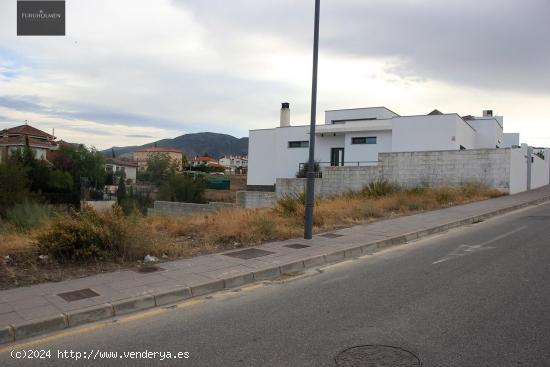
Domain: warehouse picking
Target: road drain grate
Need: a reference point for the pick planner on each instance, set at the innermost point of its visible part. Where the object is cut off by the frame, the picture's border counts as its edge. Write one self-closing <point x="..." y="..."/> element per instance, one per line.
<point x="78" y="295"/>
<point x="249" y="253"/>
<point x="331" y="235"/>
<point x="376" y="356"/>
<point x="297" y="246"/>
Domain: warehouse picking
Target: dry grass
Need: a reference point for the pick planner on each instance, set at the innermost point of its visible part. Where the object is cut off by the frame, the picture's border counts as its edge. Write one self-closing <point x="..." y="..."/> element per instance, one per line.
<point x="176" y="237"/>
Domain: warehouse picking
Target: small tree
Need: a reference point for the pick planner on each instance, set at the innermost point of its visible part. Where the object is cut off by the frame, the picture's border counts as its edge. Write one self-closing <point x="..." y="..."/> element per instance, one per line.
<point x="121" y="189"/>
<point x="302" y="172"/>
<point x="540" y="154"/>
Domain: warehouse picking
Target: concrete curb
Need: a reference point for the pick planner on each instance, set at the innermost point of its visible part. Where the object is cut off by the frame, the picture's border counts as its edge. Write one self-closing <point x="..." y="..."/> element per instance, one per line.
<point x="91" y="314"/>
<point x="11" y="333"/>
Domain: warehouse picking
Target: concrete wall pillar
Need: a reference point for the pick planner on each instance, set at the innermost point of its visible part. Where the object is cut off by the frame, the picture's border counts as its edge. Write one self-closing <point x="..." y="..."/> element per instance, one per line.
<point x="529" y="166"/>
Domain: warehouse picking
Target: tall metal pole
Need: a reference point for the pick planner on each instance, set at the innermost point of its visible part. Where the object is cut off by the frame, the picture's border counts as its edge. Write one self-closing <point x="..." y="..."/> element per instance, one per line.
<point x="310" y="188"/>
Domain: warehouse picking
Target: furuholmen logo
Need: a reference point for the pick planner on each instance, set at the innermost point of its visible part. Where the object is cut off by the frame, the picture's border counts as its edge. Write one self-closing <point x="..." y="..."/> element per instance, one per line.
<point x="40" y="18"/>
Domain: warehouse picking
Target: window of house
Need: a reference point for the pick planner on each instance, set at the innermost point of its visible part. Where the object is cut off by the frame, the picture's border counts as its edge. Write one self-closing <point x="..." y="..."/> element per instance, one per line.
<point x="364" y="140"/>
<point x="298" y="144"/>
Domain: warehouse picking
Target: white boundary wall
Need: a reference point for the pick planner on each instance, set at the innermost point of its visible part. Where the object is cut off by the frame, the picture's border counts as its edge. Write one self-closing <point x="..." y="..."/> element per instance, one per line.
<point x="503" y="169"/>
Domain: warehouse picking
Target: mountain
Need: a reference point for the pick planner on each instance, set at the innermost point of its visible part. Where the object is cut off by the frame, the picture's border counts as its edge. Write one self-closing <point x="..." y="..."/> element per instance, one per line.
<point x="214" y="144"/>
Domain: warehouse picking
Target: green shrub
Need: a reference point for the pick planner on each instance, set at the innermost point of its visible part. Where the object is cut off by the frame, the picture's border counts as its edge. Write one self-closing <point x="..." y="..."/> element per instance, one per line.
<point x="89" y="235"/>
<point x="183" y="188"/>
<point x="264" y="227"/>
<point x="304" y="167"/>
<point x="378" y="189"/>
<point x="445" y="195"/>
<point x="27" y="215"/>
<point x="289" y="205"/>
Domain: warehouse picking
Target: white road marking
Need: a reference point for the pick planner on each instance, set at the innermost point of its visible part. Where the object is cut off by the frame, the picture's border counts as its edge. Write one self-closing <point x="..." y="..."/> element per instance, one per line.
<point x="464" y="250"/>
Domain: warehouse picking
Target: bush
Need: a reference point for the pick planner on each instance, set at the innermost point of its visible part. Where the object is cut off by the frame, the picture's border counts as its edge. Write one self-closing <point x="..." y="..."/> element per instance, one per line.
<point x="183" y="188"/>
<point x="291" y="205"/>
<point x="378" y="189"/>
<point x="27" y="215"/>
<point x="445" y="195"/>
<point x="14" y="185"/>
<point x="89" y="235"/>
<point x="302" y="172"/>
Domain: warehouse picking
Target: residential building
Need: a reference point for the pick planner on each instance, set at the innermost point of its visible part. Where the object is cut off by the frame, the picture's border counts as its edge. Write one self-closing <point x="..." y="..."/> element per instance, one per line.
<point x="205" y="161"/>
<point x="142" y="156"/>
<point x="16" y="138"/>
<point x="234" y="164"/>
<point x="117" y="166"/>
<point x="357" y="136"/>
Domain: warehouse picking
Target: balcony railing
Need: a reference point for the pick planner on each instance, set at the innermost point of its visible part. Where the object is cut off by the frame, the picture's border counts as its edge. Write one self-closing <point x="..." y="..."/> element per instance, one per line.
<point x="319" y="174"/>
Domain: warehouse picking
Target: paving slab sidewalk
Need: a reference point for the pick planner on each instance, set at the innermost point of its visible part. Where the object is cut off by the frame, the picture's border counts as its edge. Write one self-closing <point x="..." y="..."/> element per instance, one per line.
<point x="36" y="310"/>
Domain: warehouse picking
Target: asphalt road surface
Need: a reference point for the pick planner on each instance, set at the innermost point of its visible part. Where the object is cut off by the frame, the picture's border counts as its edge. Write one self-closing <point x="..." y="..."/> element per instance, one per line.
<point x="476" y="296"/>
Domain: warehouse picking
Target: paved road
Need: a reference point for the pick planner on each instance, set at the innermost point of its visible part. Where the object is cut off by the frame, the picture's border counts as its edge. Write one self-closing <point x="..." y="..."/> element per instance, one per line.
<point x="477" y="296"/>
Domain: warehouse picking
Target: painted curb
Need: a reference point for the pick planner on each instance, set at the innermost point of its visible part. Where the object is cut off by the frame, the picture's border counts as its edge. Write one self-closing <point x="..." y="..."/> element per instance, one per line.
<point x="239" y="280"/>
<point x="133" y="304"/>
<point x="266" y="274"/>
<point x="32" y="328"/>
<point x="172" y="296"/>
<point x="37" y="327"/>
<point x="6" y="334"/>
<point x="202" y="289"/>
<point x="91" y="314"/>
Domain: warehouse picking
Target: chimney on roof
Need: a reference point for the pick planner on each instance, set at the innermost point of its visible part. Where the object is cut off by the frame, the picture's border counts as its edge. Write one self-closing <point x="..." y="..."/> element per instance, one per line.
<point x="285" y="114"/>
<point x="487" y="113"/>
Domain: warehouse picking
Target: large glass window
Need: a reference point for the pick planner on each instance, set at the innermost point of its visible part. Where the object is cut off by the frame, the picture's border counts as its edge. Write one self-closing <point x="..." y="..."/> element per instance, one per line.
<point x="298" y="144"/>
<point x="364" y="140"/>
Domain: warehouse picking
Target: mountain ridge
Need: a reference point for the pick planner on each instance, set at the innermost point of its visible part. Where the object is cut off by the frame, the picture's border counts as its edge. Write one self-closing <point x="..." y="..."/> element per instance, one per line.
<point x="215" y="145"/>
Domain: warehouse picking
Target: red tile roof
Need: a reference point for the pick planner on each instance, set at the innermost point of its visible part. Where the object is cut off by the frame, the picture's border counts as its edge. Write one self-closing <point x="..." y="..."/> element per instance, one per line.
<point x="28" y="130"/>
<point x="120" y="162"/>
<point x="33" y="142"/>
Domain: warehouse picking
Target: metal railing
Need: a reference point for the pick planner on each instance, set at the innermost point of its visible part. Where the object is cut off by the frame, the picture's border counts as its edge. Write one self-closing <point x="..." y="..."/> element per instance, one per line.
<point x="318" y="174"/>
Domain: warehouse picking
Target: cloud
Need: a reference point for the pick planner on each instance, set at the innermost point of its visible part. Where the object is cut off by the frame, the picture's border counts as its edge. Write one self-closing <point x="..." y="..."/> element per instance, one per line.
<point x="205" y="66"/>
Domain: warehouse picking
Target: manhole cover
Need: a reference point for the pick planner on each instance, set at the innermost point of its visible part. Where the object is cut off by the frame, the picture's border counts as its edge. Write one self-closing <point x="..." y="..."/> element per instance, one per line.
<point x="376" y="356"/>
<point x="331" y="235"/>
<point x="297" y="246"/>
<point x="78" y="295"/>
<point x="249" y="253"/>
<point x="148" y="269"/>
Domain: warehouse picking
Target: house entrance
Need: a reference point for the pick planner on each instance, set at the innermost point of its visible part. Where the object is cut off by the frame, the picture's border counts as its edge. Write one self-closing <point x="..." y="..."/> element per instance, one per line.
<point x="337" y="157"/>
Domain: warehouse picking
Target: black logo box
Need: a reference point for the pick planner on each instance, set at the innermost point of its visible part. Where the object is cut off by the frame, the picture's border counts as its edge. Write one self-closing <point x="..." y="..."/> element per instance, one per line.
<point x="40" y="18"/>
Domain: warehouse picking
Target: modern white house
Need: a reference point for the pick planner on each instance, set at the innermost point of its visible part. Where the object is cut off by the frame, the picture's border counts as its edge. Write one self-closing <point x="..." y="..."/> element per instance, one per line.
<point x="234" y="163"/>
<point x="355" y="137"/>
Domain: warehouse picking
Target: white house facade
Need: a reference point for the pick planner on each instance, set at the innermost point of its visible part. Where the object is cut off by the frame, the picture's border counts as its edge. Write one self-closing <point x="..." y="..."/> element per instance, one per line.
<point x="233" y="164"/>
<point x="355" y="137"/>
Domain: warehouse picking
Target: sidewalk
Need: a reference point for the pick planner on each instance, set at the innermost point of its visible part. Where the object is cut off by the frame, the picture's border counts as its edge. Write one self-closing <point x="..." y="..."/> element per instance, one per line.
<point x="39" y="309"/>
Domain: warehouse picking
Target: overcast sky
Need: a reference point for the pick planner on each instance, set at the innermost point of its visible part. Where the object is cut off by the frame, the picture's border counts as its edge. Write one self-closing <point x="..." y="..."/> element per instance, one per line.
<point x="134" y="71"/>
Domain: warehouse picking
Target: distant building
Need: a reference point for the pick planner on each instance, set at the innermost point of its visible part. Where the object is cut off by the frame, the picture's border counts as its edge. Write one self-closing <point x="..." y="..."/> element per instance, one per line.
<point x="115" y="166"/>
<point x="234" y="164"/>
<point x="205" y="161"/>
<point x="142" y="156"/>
<point x="18" y="137"/>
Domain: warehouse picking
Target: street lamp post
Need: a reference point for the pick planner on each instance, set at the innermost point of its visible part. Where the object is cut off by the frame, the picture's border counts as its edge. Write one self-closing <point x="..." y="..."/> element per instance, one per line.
<point x="310" y="188"/>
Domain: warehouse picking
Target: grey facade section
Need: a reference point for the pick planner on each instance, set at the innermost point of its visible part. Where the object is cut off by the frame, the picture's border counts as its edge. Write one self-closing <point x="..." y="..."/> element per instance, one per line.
<point x="256" y="199"/>
<point x="176" y="208"/>
<point x="410" y="169"/>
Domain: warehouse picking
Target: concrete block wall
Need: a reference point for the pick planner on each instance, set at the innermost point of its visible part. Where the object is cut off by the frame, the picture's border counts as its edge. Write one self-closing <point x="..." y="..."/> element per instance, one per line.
<point x="410" y="169"/>
<point x="487" y="166"/>
<point x="176" y="208"/>
<point x="256" y="199"/>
